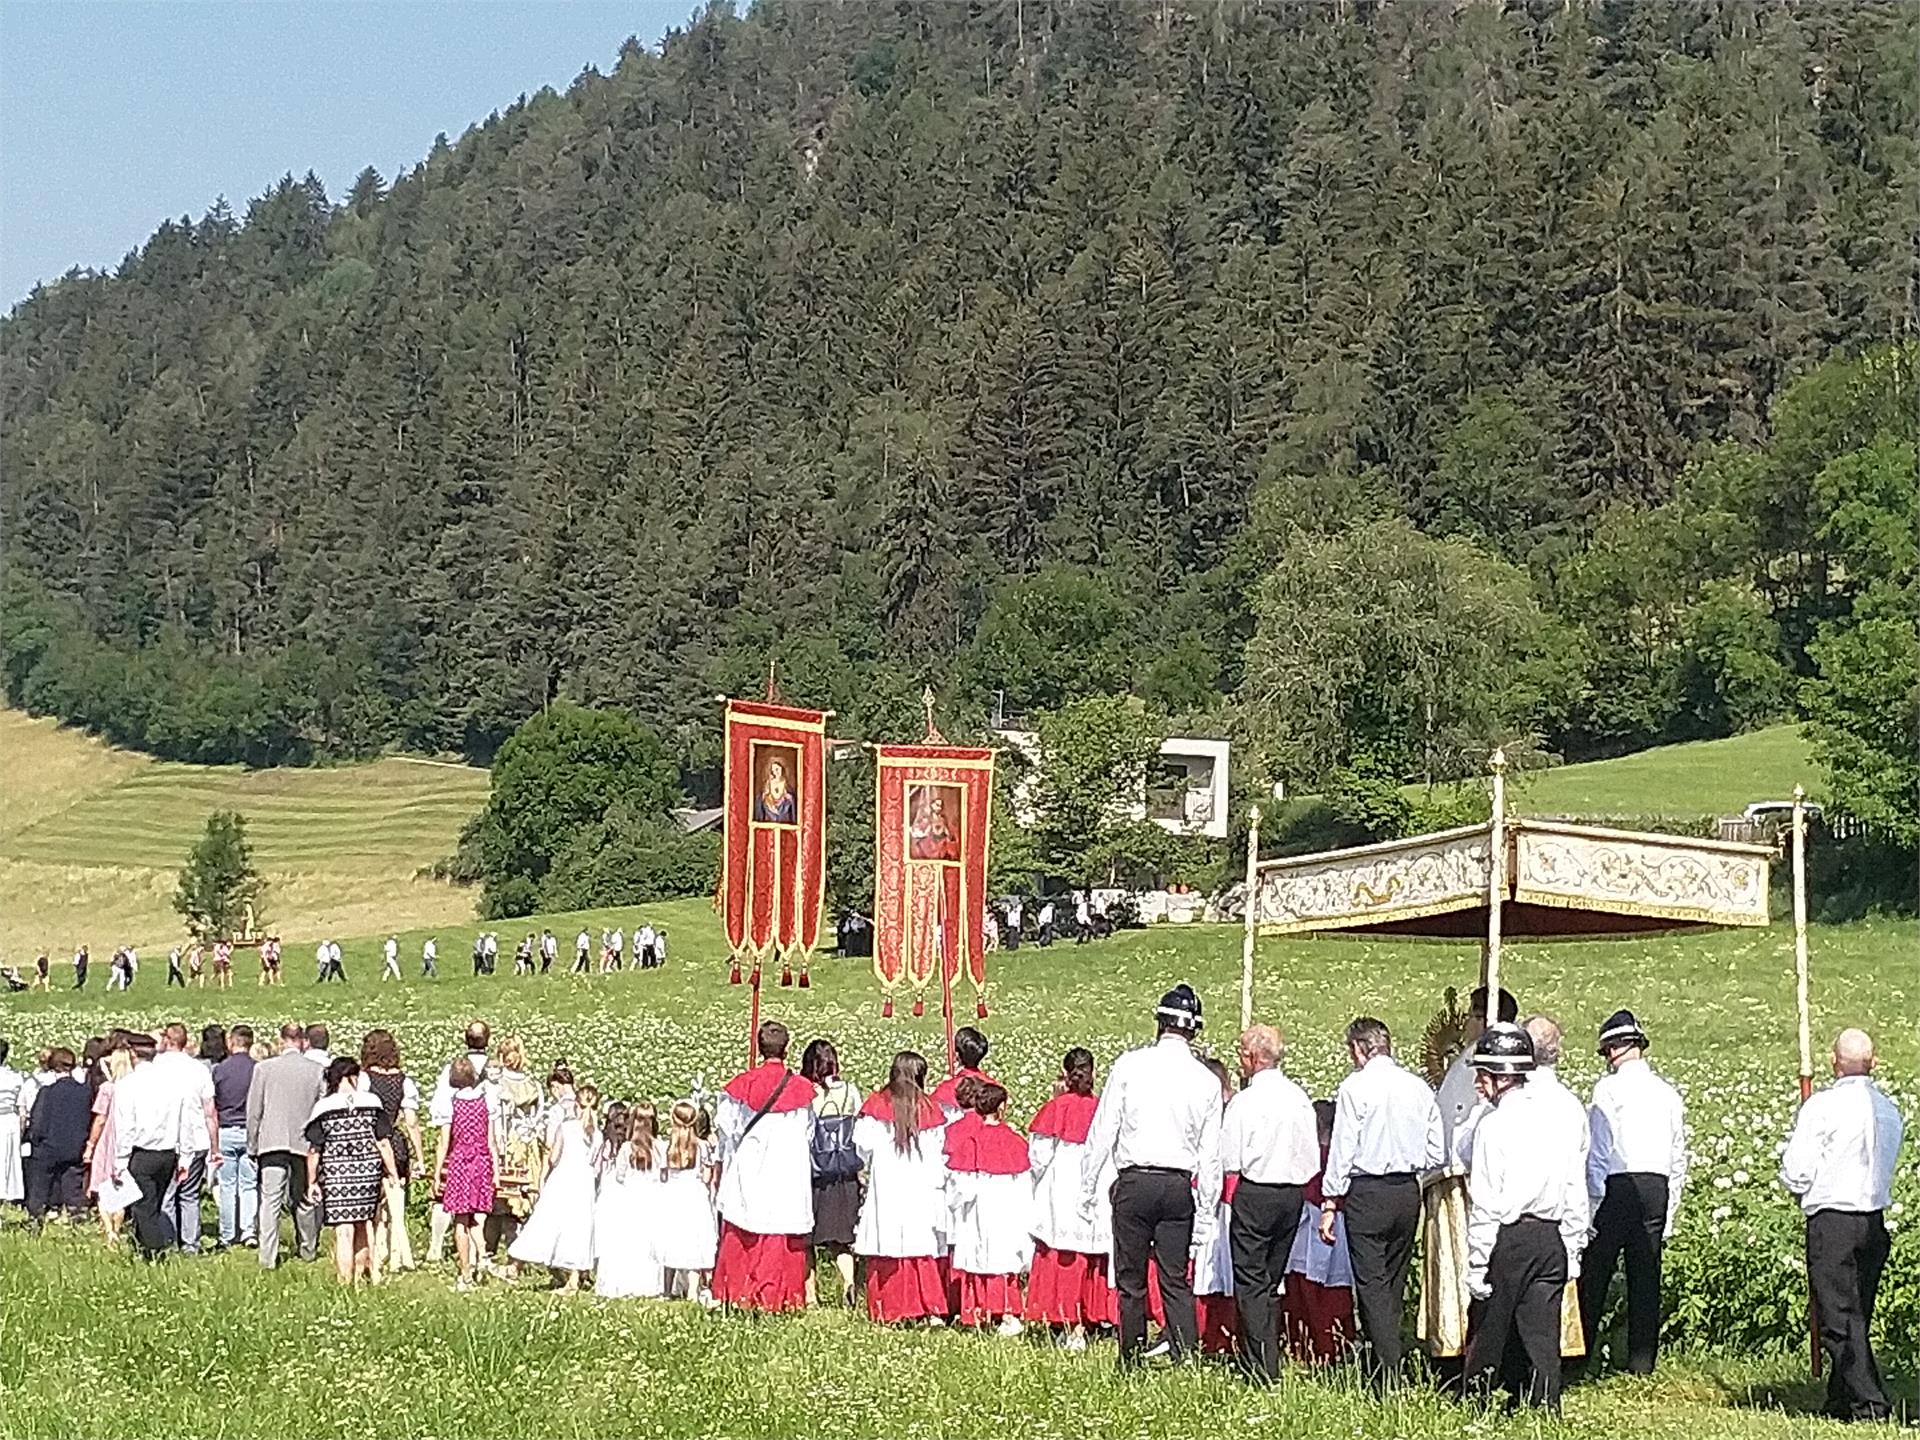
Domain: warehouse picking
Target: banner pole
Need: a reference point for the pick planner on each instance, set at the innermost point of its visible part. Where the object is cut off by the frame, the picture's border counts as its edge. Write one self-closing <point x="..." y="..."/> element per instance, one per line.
<point x="946" y="972"/>
<point x="1252" y="917"/>
<point x="1496" y="878"/>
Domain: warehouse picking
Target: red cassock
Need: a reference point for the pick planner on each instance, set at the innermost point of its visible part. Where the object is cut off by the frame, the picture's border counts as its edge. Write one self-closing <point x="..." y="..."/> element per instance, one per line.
<point x="766" y="1201"/>
<point x="993" y="1217"/>
<point x="1066" y="1286"/>
<point x="903" y="1288"/>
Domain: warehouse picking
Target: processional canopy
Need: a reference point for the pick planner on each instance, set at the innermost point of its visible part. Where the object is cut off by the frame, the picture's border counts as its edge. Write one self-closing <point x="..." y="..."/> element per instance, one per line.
<point x="1562" y="882"/>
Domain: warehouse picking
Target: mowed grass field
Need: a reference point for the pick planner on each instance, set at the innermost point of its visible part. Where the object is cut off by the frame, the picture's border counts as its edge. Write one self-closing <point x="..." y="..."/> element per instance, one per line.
<point x="1706" y="777"/>
<point x="107" y="1347"/>
<point x="92" y="839"/>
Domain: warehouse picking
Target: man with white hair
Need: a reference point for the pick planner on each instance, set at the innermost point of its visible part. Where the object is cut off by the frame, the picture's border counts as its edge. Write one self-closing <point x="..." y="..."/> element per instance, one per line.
<point x="1269" y="1150"/>
<point x="1839" y="1161"/>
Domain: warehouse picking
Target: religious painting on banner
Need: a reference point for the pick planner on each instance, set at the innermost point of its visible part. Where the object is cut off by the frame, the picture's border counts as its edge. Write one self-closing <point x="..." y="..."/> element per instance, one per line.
<point x="773" y="881"/>
<point x="932" y="822"/>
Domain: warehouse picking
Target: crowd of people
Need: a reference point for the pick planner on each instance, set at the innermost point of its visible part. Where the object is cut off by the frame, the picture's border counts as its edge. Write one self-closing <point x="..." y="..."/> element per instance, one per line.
<point x="1241" y="1218"/>
<point x="194" y="964"/>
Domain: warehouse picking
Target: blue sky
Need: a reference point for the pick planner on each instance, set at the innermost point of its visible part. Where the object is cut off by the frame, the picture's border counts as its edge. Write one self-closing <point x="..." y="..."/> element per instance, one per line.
<point x="116" y="115"/>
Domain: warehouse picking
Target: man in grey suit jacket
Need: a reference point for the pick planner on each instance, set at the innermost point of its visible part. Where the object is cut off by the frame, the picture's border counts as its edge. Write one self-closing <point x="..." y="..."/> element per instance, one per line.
<point x="280" y="1100"/>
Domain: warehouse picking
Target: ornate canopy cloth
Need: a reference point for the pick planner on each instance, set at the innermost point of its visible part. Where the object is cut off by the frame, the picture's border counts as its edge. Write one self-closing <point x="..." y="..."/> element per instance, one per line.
<point x="1564" y="882"/>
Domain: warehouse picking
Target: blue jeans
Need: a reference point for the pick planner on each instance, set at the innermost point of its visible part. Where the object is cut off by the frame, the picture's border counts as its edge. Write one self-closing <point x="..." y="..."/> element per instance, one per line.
<point x="239" y="1187"/>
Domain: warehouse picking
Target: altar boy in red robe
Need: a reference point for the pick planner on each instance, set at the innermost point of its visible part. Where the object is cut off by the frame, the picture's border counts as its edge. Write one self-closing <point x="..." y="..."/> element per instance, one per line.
<point x="992" y="1210"/>
<point x="764" y="1126"/>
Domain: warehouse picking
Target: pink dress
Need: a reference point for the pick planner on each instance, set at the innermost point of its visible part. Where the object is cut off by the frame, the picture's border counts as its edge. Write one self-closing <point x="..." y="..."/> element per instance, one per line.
<point x="467" y="1187"/>
<point x="100" y="1176"/>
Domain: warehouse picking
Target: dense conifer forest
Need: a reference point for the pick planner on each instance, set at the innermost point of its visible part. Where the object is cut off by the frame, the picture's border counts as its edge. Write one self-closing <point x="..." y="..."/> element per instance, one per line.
<point x="1368" y="379"/>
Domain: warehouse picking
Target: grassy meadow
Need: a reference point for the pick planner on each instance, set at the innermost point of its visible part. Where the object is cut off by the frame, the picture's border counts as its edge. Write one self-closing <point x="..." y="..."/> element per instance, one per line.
<point x="1705" y="777"/>
<point x="238" y="1355"/>
<point x="92" y="839"/>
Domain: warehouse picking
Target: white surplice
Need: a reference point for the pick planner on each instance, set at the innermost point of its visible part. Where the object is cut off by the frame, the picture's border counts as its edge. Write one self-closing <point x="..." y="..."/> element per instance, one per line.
<point x="904" y="1214"/>
<point x="993" y="1222"/>
<point x="766" y="1179"/>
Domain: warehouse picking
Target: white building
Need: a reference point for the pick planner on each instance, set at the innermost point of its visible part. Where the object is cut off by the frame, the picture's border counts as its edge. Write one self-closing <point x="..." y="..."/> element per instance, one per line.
<point x="1187" y="795"/>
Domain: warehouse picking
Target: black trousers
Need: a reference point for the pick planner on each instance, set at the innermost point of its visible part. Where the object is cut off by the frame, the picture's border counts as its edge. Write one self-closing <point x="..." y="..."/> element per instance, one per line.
<point x="1514" y="1335"/>
<point x="1153" y="1216"/>
<point x="153" y="1172"/>
<point x="1846" y="1251"/>
<point x="53" y="1183"/>
<point x="1383" y="1215"/>
<point x="1260" y="1237"/>
<point x="1631" y="1220"/>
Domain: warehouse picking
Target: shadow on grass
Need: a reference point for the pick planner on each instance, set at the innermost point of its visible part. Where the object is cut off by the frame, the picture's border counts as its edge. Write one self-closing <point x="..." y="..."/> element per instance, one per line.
<point x="1802" y="1395"/>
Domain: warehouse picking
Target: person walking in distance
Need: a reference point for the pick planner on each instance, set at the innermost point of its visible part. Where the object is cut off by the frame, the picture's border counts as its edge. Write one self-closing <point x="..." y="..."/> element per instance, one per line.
<point x="1270" y="1148"/>
<point x="1386" y="1130"/>
<point x="430" y="959"/>
<point x="175" y="975"/>
<point x="1526" y="1222"/>
<point x="80" y="958"/>
<point x="1636" y="1168"/>
<point x="390" y="959"/>
<point x="582" y="948"/>
<point x="280" y="1098"/>
<point x="549" y="950"/>
<point x="1839" y="1164"/>
<point x="1158" y="1124"/>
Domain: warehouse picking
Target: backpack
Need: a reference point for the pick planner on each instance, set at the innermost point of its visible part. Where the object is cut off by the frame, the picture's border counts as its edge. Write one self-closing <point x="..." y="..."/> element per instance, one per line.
<point x="834" y="1157"/>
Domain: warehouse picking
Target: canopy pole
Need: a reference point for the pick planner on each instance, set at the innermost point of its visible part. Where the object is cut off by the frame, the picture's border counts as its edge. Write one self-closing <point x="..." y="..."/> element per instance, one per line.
<point x="1800" y="939"/>
<point x="1496" y="880"/>
<point x="1801" y="1005"/>
<point x="1252" y="916"/>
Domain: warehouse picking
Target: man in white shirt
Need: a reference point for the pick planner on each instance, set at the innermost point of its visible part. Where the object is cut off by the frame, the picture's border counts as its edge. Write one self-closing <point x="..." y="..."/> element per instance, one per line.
<point x="1527" y="1216"/>
<point x="1840" y="1161"/>
<point x="1158" y="1125"/>
<point x="1269" y="1150"/>
<point x="1016" y="917"/>
<point x="1386" y="1131"/>
<point x="199" y="1135"/>
<point x="1442" y="1317"/>
<point x="582" y="947"/>
<point x="764" y="1125"/>
<point x="1636" y="1168"/>
<point x="616" y="948"/>
<point x="549" y="951"/>
<point x="1045" y="936"/>
<point x="149" y="1120"/>
<point x="390" y="953"/>
<point x="643" y="943"/>
<point x="430" y="959"/>
<point x="322" y="963"/>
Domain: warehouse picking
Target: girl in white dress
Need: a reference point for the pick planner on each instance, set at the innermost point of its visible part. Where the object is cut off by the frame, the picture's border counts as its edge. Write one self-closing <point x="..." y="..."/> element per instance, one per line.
<point x="15" y="1100"/>
<point x="689" y="1231"/>
<point x="627" y="1214"/>
<point x="559" y="1233"/>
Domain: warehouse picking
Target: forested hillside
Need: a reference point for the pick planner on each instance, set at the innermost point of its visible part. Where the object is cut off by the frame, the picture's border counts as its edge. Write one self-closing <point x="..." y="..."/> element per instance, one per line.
<point x="1381" y="377"/>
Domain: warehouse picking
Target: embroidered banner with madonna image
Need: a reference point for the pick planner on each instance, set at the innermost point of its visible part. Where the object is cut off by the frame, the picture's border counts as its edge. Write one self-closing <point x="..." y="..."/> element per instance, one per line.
<point x="933" y="817"/>
<point x="773" y="881"/>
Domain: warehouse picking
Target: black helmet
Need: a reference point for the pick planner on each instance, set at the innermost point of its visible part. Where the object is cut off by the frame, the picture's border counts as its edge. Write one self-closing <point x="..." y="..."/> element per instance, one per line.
<point x="1621" y="1029"/>
<point x="1179" y="1009"/>
<point x="1503" y="1049"/>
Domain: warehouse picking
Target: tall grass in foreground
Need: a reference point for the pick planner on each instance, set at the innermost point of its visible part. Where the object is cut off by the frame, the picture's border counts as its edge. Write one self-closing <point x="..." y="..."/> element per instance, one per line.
<point x="101" y="1345"/>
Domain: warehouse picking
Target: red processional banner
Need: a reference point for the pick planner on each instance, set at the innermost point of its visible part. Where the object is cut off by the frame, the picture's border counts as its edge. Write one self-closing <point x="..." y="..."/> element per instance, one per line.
<point x="773" y="884"/>
<point x="933" y="818"/>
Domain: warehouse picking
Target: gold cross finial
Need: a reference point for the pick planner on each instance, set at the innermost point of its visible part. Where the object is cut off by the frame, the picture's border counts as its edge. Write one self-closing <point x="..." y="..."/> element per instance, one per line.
<point x="934" y="737"/>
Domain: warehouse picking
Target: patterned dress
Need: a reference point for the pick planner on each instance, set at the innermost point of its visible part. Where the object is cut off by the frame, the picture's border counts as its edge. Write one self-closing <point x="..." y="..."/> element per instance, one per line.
<point x="467" y="1186"/>
<point x="347" y="1131"/>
